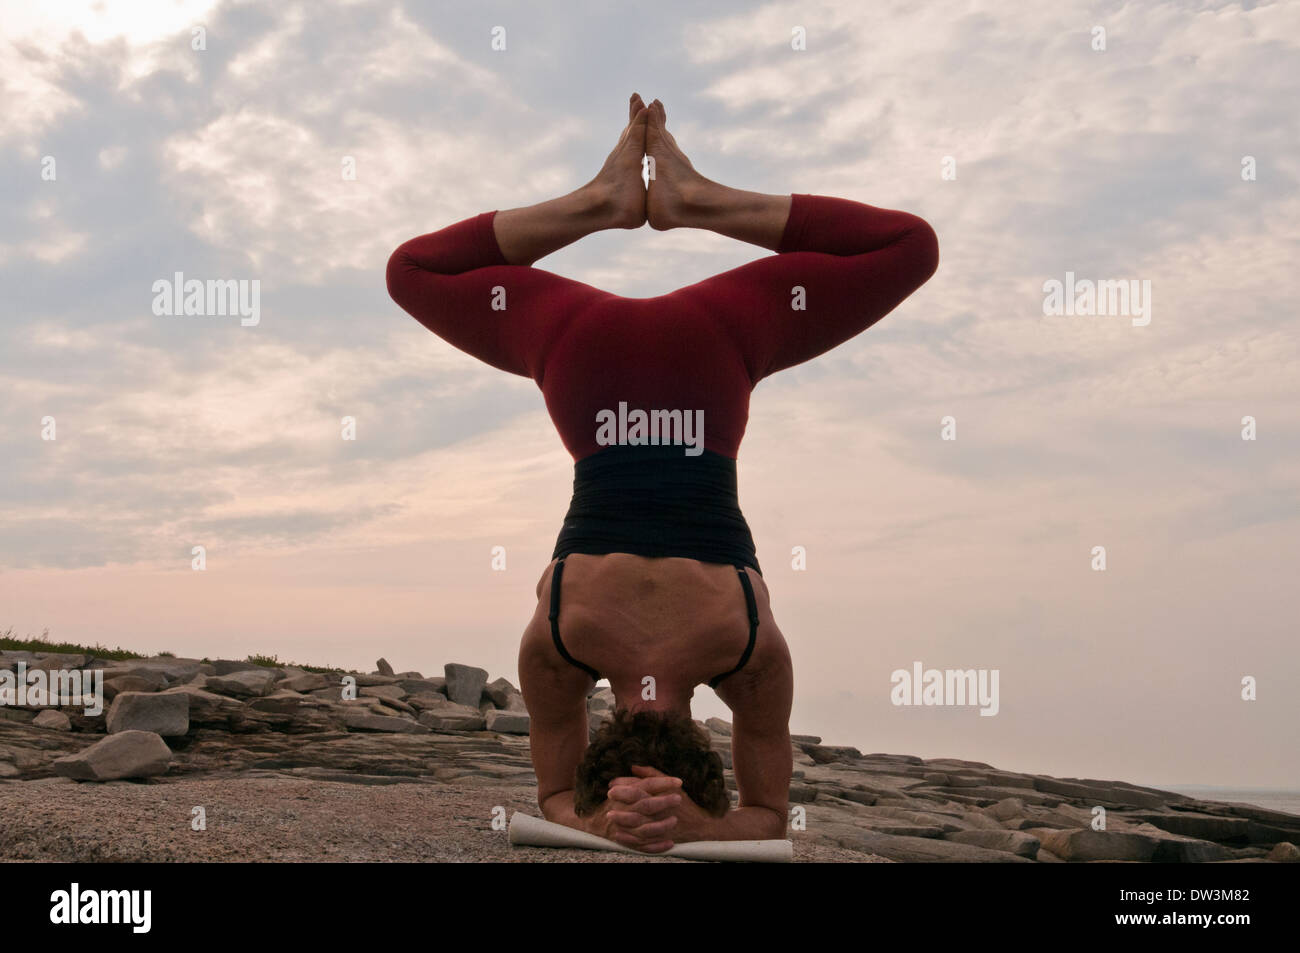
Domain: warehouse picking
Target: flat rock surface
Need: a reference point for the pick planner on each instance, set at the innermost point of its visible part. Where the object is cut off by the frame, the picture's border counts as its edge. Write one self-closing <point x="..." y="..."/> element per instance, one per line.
<point x="288" y="819"/>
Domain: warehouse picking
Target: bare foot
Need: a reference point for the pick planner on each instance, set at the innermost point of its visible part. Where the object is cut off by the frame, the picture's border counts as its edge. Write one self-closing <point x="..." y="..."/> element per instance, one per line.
<point x="618" y="185"/>
<point x="674" y="183"/>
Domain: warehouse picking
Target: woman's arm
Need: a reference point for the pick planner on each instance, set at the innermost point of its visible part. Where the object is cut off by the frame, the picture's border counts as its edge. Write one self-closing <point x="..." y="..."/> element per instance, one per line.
<point x="459" y="283"/>
<point x="841" y="267"/>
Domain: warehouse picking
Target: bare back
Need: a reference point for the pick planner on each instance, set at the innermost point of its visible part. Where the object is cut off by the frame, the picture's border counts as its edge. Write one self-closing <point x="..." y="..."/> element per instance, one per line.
<point x="630" y="616"/>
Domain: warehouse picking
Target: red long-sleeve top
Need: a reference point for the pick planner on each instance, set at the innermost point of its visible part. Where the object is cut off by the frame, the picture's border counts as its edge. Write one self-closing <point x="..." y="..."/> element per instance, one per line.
<point x="701" y="347"/>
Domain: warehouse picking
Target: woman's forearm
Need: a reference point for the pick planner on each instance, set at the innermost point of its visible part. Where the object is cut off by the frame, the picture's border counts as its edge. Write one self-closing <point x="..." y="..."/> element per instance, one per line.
<point x="558" y="809"/>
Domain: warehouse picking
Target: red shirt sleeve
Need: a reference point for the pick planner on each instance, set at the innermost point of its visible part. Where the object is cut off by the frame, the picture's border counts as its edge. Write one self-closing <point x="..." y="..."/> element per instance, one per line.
<point x="457" y="283"/>
<point x="847" y="263"/>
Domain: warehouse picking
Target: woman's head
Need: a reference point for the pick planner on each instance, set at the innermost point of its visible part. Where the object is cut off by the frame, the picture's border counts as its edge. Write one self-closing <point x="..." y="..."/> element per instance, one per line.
<point x="667" y="740"/>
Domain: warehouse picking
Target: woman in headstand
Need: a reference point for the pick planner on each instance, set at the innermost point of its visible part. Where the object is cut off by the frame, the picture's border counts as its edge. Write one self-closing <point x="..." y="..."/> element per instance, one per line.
<point x="658" y="571"/>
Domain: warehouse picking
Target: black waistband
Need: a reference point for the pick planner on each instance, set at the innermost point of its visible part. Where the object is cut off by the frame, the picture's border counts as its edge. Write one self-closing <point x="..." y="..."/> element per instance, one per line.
<point x="657" y="501"/>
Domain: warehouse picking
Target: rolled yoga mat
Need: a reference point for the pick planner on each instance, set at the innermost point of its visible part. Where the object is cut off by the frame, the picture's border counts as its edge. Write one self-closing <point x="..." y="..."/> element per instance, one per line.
<point x="528" y="831"/>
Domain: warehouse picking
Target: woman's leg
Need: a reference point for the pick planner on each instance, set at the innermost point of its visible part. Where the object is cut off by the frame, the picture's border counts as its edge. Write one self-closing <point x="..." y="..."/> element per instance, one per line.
<point x="615" y="198"/>
<point x="680" y="197"/>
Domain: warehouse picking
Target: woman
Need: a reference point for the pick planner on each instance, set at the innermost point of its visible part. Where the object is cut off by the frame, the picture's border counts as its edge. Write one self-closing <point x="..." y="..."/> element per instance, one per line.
<point x="660" y="581"/>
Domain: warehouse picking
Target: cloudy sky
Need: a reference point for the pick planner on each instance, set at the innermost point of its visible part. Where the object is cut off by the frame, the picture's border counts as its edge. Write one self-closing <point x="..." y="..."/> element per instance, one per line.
<point x="1122" y="163"/>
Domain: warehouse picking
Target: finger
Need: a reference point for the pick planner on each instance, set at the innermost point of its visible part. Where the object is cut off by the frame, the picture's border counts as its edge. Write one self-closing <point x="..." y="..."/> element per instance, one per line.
<point x="639" y="825"/>
<point x="655" y="784"/>
<point x="657" y="805"/>
<point x="647" y="771"/>
<point x="653" y="831"/>
<point x="630" y="820"/>
<point x="627" y="794"/>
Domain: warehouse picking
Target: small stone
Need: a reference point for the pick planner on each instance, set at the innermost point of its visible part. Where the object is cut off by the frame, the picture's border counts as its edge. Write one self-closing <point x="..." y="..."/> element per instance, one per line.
<point x="161" y="713"/>
<point x="1284" y="852"/>
<point x="52" y="718"/>
<point x="127" y="754"/>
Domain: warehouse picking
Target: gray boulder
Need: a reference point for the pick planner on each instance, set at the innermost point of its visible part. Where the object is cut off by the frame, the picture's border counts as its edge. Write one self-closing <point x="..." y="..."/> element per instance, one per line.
<point x="504" y="695"/>
<point x="160" y="713"/>
<point x="206" y="708"/>
<point x="307" y="682"/>
<point x="1088" y="844"/>
<point x="127" y="754"/>
<point x="452" y="717"/>
<point x="133" y="683"/>
<point x="52" y="718"/>
<point x="1013" y="842"/>
<point x="247" y="683"/>
<point x="384" y="668"/>
<point x="465" y="683"/>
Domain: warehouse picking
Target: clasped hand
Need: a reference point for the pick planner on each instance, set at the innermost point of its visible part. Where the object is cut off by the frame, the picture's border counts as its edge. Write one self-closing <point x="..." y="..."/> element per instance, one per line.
<point x="648" y="812"/>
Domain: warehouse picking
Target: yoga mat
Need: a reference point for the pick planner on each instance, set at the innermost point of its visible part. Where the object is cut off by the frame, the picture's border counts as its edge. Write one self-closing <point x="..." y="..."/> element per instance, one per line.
<point x="529" y="831"/>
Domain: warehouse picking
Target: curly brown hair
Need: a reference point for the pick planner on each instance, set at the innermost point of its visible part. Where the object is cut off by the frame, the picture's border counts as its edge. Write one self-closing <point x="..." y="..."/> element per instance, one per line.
<point x="669" y="741"/>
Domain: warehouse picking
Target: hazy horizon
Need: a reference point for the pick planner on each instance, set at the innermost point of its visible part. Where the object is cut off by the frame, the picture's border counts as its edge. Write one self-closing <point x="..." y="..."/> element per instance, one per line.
<point x="1168" y="157"/>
